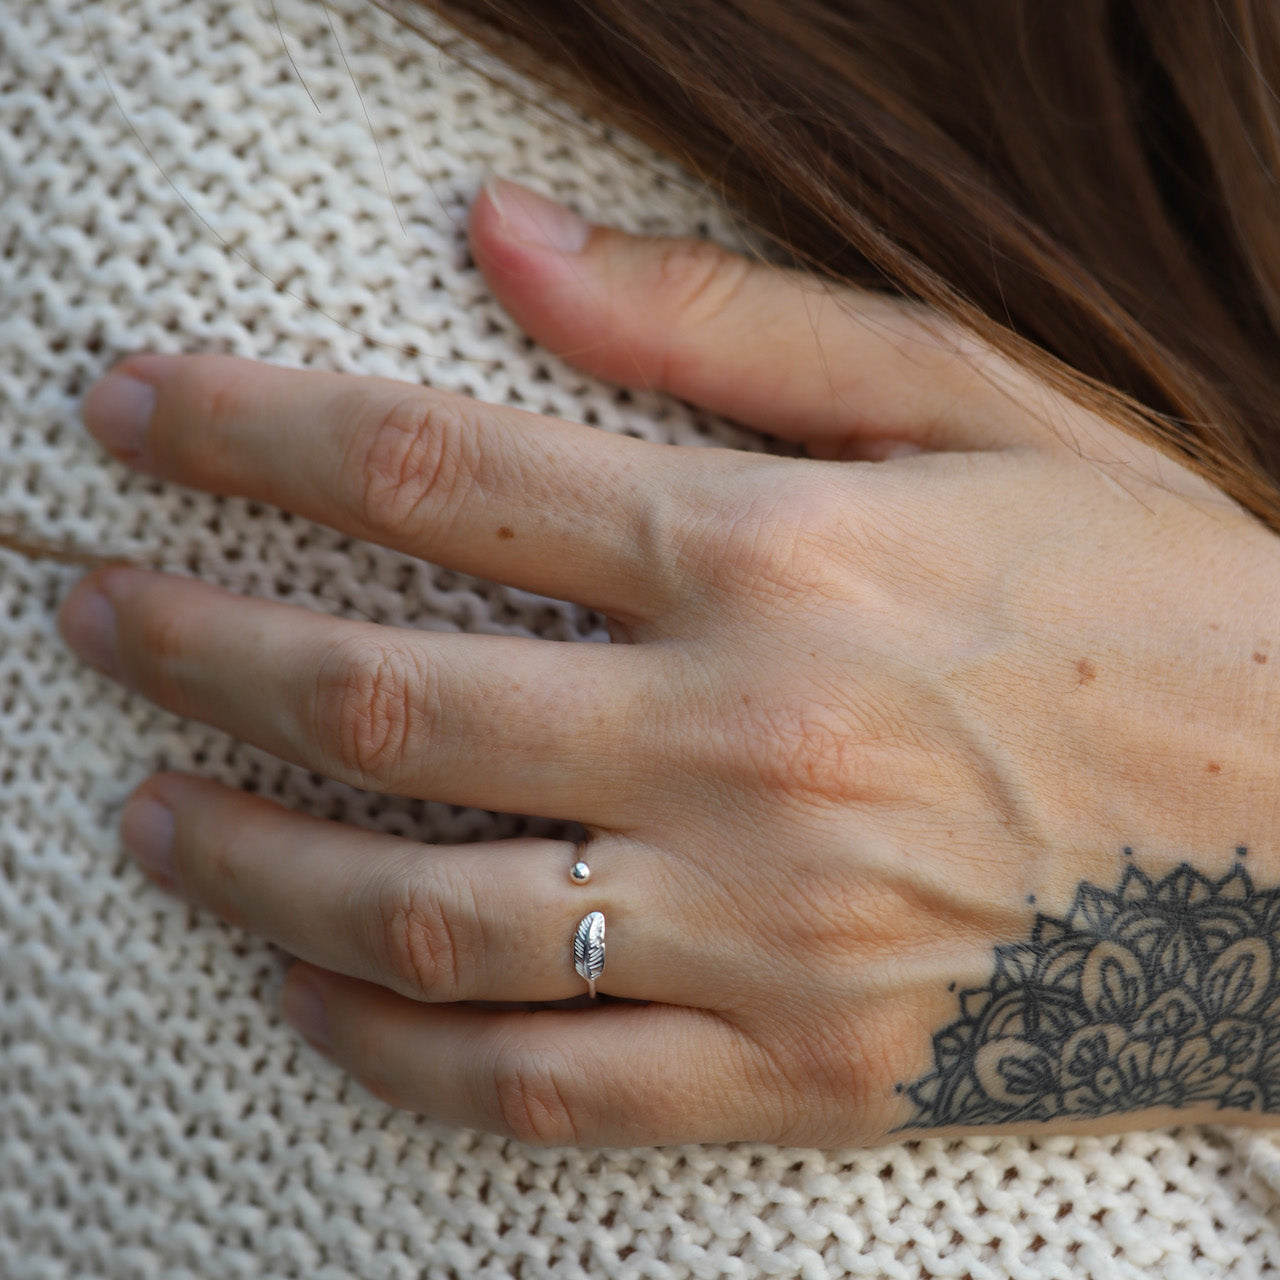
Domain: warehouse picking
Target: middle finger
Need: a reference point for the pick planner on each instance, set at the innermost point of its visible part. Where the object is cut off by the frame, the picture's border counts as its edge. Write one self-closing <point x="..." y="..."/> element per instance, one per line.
<point x="495" y="722"/>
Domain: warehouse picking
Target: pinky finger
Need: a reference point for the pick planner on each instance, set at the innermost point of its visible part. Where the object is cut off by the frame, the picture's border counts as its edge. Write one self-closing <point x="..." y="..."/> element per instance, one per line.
<point x="608" y="1075"/>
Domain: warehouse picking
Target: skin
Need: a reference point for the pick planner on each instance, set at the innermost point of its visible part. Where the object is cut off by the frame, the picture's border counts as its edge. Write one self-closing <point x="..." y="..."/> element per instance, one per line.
<point x="862" y="706"/>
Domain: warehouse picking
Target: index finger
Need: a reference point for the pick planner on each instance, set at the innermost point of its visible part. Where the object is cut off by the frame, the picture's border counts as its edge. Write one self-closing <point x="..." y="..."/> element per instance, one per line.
<point x="541" y="504"/>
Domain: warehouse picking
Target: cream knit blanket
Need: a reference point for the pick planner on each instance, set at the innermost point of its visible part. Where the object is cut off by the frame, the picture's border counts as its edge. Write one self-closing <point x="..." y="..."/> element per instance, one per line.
<point x="171" y="180"/>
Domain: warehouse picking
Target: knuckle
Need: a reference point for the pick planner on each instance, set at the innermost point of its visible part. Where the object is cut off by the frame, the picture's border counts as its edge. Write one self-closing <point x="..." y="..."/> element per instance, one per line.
<point x="699" y="281"/>
<point x="213" y="392"/>
<point x="163" y="633"/>
<point x="371" y="702"/>
<point x="854" y="933"/>
<point x="841" y="919"/>
<point x="800" y="747"/>
<point x="199" y="407"/>
<point x="371" y="1050"/>
<point x="422" y="945"/>
<point x="793" y="538"/>
<point x="946" y="347"/>
<point x="215" y="874"/>
<point x="164" y="641"/>
<point x="222" y="869"/>
<point x="836" y="1079"/>
<point x="532" y="1105"/>
<point x="410" y="463"/>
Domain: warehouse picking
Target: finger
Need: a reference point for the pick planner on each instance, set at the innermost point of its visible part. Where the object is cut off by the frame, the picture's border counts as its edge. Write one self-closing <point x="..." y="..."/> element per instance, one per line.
<point x="775" y="349"/>
<point x="492" y="921"/>
<point x="498" y="722"/>
<point x="548" y="506"/>
<point x="612" y="1075"/>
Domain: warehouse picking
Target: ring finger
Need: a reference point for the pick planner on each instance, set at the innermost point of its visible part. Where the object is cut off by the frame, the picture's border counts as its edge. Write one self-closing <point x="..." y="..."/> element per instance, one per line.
<point x="489" y="921"/>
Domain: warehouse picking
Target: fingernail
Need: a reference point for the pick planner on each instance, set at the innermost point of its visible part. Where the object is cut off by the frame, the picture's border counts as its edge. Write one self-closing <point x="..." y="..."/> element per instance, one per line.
<point x="302" y="1006"/>
<point x="147" y="831"/>
<point x="117" y="412"/>
<point x="536" y="221"/>
<point x="88" y="625"/>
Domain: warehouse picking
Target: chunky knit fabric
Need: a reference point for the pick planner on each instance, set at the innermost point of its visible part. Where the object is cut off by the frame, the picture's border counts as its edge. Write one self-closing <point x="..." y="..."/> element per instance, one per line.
<point x="289" y="182"/>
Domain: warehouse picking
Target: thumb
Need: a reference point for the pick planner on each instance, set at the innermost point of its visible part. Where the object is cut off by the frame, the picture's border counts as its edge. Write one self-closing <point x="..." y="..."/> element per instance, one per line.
<point x="858" y="374"/>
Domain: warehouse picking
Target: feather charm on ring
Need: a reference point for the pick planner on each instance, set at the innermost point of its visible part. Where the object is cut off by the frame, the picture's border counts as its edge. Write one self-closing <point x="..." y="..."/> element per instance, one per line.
<point x="588" y="949"/>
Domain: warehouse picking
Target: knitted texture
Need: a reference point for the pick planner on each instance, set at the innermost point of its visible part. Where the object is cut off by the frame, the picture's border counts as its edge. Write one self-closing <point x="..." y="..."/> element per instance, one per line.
<point x="290" y="182"/>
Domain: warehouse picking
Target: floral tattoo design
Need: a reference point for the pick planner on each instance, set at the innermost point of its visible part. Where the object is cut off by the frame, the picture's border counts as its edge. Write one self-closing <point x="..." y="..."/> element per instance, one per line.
<point x="1161" y="993"/>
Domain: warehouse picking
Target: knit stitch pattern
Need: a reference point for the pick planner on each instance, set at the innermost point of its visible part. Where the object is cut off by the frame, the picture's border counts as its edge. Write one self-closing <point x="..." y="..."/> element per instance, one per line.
<point x="289" y="181"/>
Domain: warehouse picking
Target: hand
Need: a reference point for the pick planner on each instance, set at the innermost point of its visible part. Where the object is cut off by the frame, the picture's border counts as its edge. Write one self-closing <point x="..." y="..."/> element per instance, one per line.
<point x="868" y="720"/>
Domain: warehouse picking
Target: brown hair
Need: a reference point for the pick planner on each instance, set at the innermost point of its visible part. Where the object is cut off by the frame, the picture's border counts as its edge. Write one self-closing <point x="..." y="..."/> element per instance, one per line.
<point x="1091" y="186"/>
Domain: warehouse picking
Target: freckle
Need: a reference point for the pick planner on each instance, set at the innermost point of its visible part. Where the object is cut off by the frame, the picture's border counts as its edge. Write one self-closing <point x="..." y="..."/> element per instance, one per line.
<point x="1087" y="671"/>
<point x="504" y="533"/>
<point x="1215" y="626"/>
<point x="1213" y="767"/>
<point x="1259" y="657"/>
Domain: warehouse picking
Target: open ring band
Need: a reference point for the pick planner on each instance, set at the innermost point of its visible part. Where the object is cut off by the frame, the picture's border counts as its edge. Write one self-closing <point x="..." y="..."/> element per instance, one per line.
<point x="588" y="949"/>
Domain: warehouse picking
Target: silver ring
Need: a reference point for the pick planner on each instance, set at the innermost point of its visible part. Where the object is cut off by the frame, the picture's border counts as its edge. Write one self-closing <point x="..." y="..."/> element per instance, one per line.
<point x="588" y="949"/>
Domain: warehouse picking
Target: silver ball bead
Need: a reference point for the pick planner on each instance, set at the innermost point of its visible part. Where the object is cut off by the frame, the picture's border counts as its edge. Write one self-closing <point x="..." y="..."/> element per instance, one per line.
<point x="579" y="873"/>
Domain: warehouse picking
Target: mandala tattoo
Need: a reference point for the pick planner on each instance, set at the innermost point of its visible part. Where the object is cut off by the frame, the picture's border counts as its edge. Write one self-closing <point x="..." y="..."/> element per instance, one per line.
<point x="1163" y="993"/>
